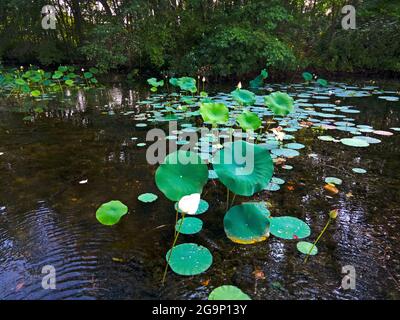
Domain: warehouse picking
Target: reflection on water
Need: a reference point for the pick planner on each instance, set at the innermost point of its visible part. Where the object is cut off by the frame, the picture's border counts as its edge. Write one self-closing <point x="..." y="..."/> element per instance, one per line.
<point x="48" y="218"/>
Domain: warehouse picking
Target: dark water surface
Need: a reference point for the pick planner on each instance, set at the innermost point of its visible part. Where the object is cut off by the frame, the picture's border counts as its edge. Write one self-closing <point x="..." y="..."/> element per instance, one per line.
<point x="48" y="218"/>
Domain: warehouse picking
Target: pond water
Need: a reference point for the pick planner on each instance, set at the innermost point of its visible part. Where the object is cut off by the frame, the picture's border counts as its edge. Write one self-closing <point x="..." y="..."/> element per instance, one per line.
<point x="47" y="209"/>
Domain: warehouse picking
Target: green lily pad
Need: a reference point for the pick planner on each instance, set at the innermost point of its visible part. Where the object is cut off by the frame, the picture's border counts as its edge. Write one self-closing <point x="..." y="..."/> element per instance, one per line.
<point x="333" y="180"/>
<point x="247" y="223"/>
<point x="147" y="197"/>
<point x="354" y="142"/>
<point x="305" y="247"/>
<point x="189" y="259"/>
<point x="249" y="120"/>
<point x="359" y="170"/>
<point x="281" y="104"/>
<point x="228" y="293"/>
<point x="182" y="173"/>
<point x="243" y="168"/>
<point x="243" y="97"/>
<point x="214" y="113"/>
<point x="111" y="212"/>
<point x="190" y="225"/>
<point x="289" y="228"/>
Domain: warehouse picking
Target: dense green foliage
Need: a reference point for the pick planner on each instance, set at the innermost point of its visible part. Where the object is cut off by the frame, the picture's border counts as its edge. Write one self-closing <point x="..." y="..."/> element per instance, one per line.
<point x="219" y="38"/>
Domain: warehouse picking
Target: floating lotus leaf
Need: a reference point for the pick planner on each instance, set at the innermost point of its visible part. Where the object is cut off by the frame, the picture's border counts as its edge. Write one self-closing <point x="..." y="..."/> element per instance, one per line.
<point x="359" y="170"/>
<point x="289" y="228"/>
<point x="214" y="113"/>
<point x="354" y="142"/>
<point x="305" y="247"/>
<point x="322" y="82"/>
<point x="190" y="225"/>
<point x="326" y="138"/>
<point x="295" y="146"/>
<point x="182" y="173"/>
<point x="189" y="259"/>
<point x="272" y="187"/>
<point x="281" y="104"/>
<point x="243" y="168"/>
<point x="243" y="97"/>
<point x="249" y="120"/>
<point x="147" y="197"/>
<point x="228" y="293"/>
<point x="247" y="223"/>
<point x="307" y="76"/>
<point x="370" y="140"/>
<point x="333" y="180"/>
<point x="111" y="212"/>
<point x="288" y="153"/>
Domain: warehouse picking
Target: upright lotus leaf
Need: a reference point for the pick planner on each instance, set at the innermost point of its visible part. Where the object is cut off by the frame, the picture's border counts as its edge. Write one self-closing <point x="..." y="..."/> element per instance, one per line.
<point x="244" y="168"/>
<point x="173" y="81"/>
<point x="189" y="259"/>
<point x="243" y="97"/>
<point x="214" y="113"/>
<point x="259" y="80"/>
<point x="247" y="223"/>
<point x="111" y="212"/>
<point x="281" y="104"/>
<point x="322" y="82"/>
<point x="307" y="76"/>
<point x="154" y="83"/>
<point x="182" y="173"/>
<point x="187" y="84"/>
<point x="264" y="73"/>
<point x="228" y="293"/>
<point x="249" y="120"/>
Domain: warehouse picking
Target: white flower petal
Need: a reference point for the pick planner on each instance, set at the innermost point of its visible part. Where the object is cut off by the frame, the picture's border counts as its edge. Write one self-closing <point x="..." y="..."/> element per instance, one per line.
<point x="189" y="204"/>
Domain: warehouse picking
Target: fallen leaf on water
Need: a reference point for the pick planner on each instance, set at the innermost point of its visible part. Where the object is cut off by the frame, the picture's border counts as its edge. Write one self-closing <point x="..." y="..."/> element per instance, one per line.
<point x="349" y="195"/>
<point x="259" y="274"/>
<point x="331" y="188"/>
<point x="205" y="282"/>
<point x="19" y="286"/>
<point x="117" y="259"/>
<point x="290" y="188"/>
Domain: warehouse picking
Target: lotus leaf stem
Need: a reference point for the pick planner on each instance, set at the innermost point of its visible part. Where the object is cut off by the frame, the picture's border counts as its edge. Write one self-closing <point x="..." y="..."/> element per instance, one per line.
<point x="319" y="237"/>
